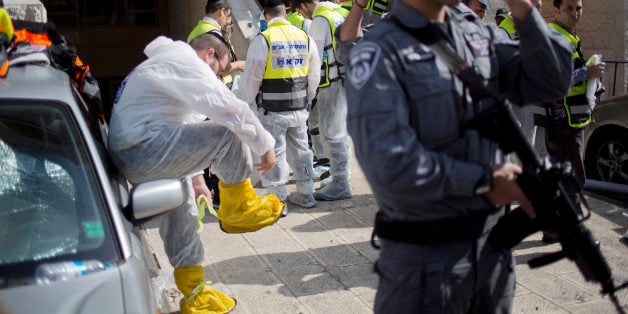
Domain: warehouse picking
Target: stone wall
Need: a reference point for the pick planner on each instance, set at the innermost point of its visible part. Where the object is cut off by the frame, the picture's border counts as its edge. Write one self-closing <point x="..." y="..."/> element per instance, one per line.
<point x="29" y="10"/>
<point x="184" y="15"/>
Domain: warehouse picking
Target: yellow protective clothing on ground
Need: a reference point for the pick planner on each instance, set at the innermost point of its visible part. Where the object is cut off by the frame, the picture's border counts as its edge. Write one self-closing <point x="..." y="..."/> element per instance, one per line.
<point x="241" y="210"/>
<point x="198" y="295"/>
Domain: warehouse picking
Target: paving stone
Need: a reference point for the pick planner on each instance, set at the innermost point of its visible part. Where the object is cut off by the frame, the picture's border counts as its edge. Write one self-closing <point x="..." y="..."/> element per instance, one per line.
<point x="533" y="303"/>
<point x="233" y="260"/>
<point x="342" y="223"/>
<point x="360" y="279"/>
<point x="552" y="287"/>
<point x="308" y="280"/>
<point x="257" y="290"/>
<point x="335" y="302"/>
<point x="521" y="290"/>
<point x="273" y="235"/>
<point x="595" y="306"/>
<point x="338" y="255"/>
<point x="622" y="295"/>
<point x="366" y="212"/>
<point x="287" y="256"/>
<point x="318" y="238"/>
<point x="361" y="242"/>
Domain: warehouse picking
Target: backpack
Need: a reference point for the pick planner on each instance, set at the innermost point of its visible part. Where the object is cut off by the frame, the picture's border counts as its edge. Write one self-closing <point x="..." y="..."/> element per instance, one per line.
<point x="62" y="57"/>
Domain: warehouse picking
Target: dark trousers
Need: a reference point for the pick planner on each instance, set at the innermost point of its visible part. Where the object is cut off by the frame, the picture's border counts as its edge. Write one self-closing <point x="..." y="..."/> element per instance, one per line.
<point x="212" y="183"/>
<point x="565" y="143"/>
<point x="467" y="277"/>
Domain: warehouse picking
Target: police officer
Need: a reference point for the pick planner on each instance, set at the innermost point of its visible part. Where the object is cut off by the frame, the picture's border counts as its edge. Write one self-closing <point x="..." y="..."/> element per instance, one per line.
<point x="283" y="63"/>
<point x="565" y="119"/>
<point x="479" y="7"/>
<point x="440" y="187"/>
<point x="331" y="99"/>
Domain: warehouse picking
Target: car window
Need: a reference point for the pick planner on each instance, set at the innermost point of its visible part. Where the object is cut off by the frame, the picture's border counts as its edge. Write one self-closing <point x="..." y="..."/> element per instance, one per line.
<point x="51" y="207"/>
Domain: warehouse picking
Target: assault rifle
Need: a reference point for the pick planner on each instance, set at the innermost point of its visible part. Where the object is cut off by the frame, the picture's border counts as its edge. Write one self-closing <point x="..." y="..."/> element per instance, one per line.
<point x="545" y="184"/>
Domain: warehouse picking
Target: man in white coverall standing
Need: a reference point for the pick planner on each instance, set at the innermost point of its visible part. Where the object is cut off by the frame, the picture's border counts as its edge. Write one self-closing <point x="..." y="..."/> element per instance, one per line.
<point x="283" y="63"/>
<point x="332" y="103"/>
<point x="158" y="130"/>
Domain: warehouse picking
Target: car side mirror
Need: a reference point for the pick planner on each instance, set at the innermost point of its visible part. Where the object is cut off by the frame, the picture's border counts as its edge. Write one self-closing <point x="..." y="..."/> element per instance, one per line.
<point x="154" y="198"/>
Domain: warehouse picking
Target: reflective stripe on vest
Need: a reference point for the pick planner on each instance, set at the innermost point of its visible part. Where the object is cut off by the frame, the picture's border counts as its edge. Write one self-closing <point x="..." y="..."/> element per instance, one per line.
<point x="575" y="103"/>
<point x="330" y="71"/>
<point x="284" y="86"/>
<point x="377" y="6"/>
<point x="296" y="19"/>
<point x="509" y="26"/>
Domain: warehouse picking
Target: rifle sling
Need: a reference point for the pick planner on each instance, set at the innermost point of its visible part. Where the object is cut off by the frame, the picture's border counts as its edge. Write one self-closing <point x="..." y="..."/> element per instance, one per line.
<point x="435" y="39"/>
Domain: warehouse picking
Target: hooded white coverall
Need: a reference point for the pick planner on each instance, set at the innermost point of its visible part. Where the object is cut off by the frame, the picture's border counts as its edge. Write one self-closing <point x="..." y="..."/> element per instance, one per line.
<point x="158" y="131"/>
<point x="332" y="123"/>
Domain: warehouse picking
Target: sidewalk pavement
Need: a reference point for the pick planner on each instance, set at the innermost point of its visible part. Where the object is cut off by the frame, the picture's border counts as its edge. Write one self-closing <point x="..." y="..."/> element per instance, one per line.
<point x="320" y="260"/>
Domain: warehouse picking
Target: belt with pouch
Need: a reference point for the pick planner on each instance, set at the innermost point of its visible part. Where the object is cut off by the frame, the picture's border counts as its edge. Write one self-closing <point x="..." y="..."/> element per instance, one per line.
<point x="441" y="231"/>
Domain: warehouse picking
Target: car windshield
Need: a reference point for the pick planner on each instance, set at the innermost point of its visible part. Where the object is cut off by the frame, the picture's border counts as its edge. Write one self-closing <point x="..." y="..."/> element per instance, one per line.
<point x="50" y="205"/>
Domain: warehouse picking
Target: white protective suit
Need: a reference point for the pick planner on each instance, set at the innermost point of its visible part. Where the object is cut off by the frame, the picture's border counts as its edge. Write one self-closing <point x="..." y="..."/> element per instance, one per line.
<point x="287" y="127"/>
<point x="158" y="131"/>
<point x="312" y="120"/>
<point x="332" y="120"/>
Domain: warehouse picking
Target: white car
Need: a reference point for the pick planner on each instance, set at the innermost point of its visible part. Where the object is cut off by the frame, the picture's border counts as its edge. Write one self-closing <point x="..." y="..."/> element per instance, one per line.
<point x="606" y="142"/>
<point x="67" y="219"/>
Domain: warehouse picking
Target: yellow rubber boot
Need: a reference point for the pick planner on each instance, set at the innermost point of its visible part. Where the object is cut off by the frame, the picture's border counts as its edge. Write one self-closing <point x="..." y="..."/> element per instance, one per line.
<point x="241" y="210"/>
<point x="198" y="295"/>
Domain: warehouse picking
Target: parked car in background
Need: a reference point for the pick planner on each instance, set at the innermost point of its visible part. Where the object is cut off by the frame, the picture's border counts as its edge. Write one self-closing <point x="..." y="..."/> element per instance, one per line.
<point x="606" y="142"/>
<point x="67" y="238"/>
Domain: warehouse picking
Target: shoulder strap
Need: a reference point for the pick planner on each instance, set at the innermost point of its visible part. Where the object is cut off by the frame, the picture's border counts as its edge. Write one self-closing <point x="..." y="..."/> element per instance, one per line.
<point x="435" y="39"/>
<point x="496" y="123"/>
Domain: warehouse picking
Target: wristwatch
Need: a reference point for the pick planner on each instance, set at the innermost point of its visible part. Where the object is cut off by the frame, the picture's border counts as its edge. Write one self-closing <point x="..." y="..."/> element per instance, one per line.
<point x="484" y="183"/>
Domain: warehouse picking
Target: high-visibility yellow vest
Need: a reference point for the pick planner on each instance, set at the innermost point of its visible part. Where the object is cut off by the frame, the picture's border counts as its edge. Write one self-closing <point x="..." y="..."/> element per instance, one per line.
<point x="575" y="103"/>
<point x="204" y="27"/>
<point x="509" y="26"/>
<point x="296" y="19"/>
<point x="6" y="26"/>
<point x="284" y="86"/>
<point x="330" y="71"/>
<point x="346" y="4"/>
<point x="375" y="6"/>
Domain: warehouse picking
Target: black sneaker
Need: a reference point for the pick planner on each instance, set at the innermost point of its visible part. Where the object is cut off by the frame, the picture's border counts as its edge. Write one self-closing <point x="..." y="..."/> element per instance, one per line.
<point x="550" y="237"/>
<point x="215" y="200"/>
<point x="325" y="175"/>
